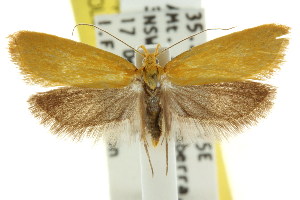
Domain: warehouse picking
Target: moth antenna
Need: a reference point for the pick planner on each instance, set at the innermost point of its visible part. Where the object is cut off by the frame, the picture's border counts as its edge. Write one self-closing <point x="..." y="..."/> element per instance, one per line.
<point x="92" y="25"/>
<point x="194" y="36"/>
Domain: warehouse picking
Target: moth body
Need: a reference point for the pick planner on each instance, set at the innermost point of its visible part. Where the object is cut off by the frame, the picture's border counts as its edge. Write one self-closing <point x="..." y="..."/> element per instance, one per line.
<point x="151" y="77"/>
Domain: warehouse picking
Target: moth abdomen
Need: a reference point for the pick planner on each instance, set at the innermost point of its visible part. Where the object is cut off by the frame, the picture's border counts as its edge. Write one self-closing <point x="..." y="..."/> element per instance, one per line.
<point x="153" y="113"/>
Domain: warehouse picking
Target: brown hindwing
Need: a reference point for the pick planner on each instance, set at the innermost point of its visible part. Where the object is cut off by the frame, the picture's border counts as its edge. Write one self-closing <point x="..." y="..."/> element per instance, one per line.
<point x="215" y="110"/>
<point x="79" y="112"/>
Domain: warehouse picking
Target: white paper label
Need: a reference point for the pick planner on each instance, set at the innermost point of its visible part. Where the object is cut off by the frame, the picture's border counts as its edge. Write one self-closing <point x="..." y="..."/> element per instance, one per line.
<point x="157" y="5"/>
<point x="196" y="164"/>
<point x="137" y="29"/>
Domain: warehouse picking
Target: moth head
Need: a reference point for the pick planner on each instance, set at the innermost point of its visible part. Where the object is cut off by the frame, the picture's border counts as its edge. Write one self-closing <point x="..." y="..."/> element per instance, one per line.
<point x="150" y="58"/>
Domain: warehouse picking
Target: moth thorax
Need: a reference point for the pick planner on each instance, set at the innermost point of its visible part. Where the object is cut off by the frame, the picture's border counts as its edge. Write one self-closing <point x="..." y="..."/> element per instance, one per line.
<point x="151" y="75"/>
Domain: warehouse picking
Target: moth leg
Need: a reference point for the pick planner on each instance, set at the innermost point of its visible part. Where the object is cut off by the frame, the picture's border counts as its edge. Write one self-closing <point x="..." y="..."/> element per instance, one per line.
<point x="167" y="157"/>
<point x="167" y="153"/>
<point x="162" y="141"/>
<point x="148" y="155"/>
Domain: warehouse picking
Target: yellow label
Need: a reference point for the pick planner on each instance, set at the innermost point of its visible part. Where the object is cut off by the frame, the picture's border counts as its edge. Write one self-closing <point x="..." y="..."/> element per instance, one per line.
<point x="224" y="189"/>
<point x="84" y="12"/>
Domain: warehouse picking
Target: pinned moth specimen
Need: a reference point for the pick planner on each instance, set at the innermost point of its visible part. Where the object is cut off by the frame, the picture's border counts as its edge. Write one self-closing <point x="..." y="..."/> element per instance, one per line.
<point x="210" y="91"/>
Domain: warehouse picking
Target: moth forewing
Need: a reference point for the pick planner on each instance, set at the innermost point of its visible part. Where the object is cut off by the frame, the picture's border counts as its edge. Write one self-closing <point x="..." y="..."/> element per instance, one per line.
<point x="53" y="61"/>
<point x="252" y="54"/>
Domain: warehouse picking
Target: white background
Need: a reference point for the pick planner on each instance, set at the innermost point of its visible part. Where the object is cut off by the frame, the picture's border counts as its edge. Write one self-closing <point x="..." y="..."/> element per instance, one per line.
<point x="263" y="163"/>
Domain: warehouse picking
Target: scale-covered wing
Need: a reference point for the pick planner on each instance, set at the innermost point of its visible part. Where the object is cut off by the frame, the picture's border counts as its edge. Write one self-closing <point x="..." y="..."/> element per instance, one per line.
<point x="251" y="54"/>
<point x="53" y="61"/>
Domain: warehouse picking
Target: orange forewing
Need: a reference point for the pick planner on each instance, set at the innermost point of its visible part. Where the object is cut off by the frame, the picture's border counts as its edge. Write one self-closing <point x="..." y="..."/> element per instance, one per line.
<point x="53" y="61"/>
<point x="251" y="54"/>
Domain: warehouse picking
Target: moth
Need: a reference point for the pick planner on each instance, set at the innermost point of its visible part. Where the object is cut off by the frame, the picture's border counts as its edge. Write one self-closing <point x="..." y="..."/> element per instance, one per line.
<point x="210" y="91"/>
